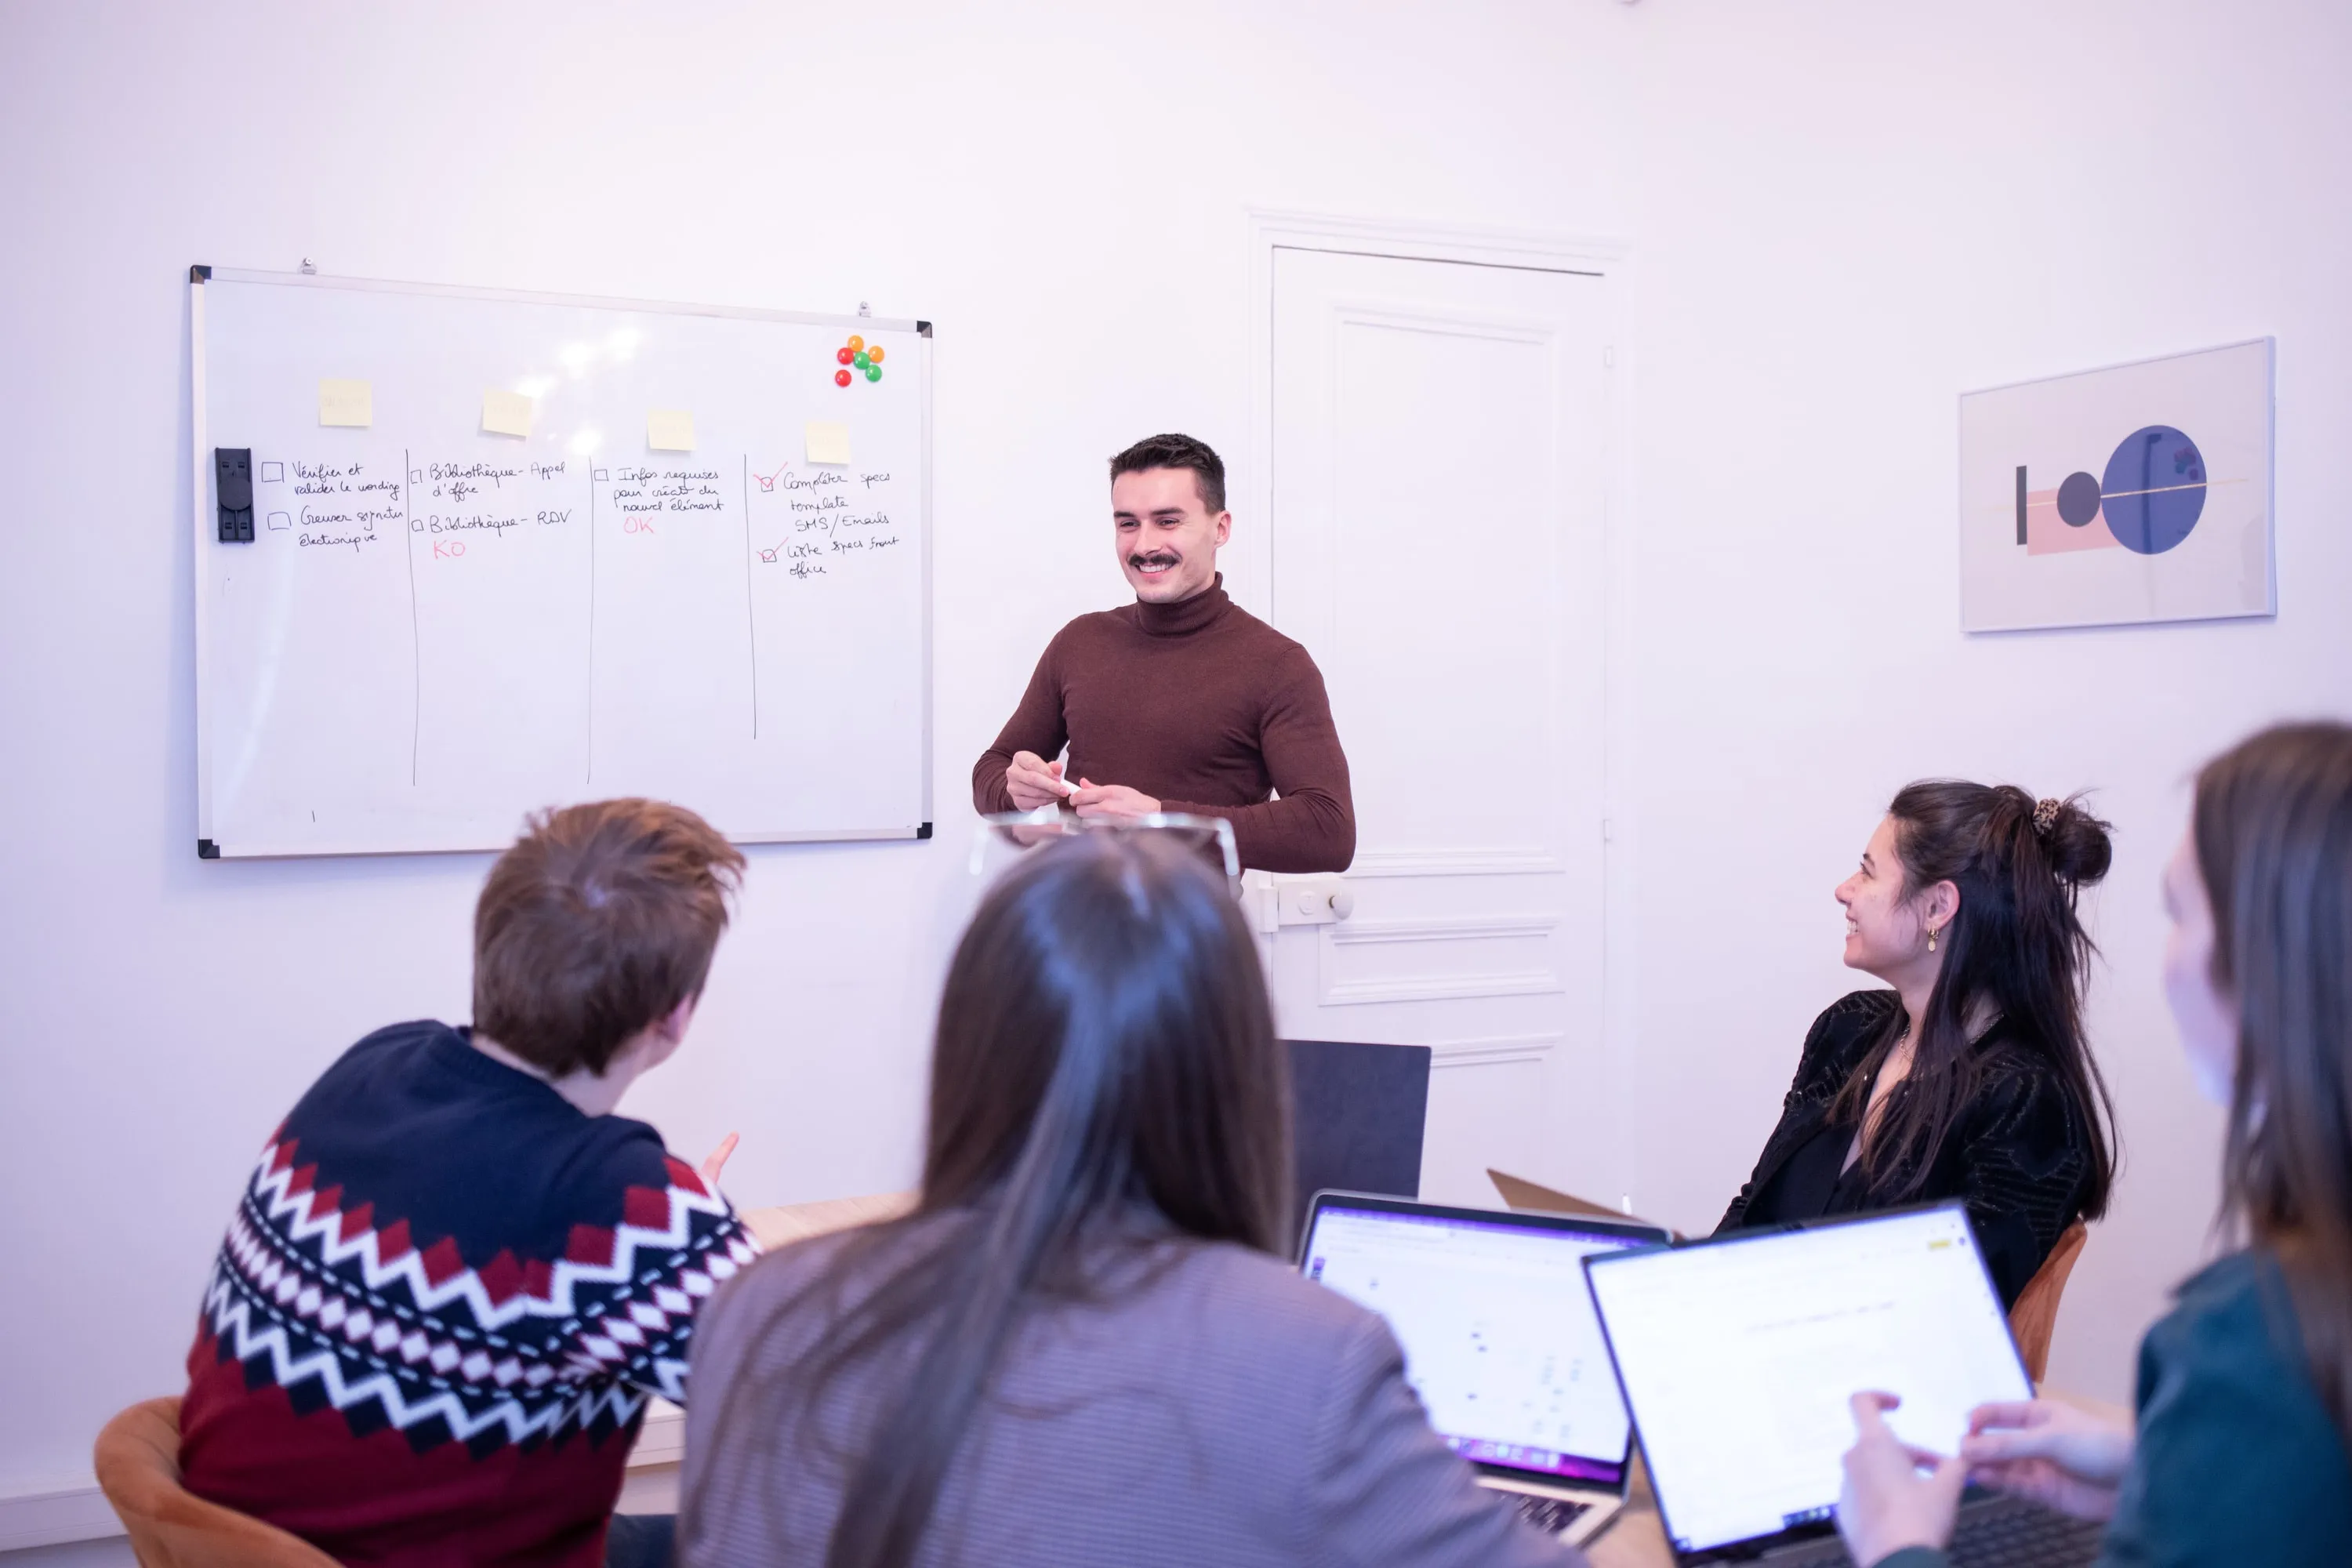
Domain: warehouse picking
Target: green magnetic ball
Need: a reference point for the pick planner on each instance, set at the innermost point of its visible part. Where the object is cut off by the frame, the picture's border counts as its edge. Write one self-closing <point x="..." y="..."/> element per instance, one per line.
<point x="862" y="362"/>
<point x="873" y="372"/>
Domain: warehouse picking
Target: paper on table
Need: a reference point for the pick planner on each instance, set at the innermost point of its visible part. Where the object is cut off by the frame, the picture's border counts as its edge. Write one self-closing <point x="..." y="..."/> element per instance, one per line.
<point x="669" y="430"/>
<point x="828" y="441"/>
<point x="507" y="413"/>
<point x="344" y="401"/>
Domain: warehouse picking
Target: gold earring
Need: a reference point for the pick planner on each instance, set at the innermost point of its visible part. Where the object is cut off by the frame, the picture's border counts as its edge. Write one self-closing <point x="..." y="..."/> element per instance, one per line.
<point x="1931" y="938"/>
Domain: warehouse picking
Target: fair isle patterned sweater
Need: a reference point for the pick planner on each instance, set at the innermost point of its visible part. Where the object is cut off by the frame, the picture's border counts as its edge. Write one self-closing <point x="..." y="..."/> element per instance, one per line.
<point x="442" y="1305"/>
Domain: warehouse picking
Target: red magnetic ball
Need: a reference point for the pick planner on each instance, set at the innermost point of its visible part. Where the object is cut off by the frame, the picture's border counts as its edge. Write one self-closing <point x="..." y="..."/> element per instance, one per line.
<point x="846" y="355"/>
<point x="841" y="378"/>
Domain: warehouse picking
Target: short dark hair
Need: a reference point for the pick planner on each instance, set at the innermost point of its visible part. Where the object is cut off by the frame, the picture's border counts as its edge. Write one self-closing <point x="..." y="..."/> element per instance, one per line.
<point x="598" y="922"/>
<point x="1173" y="451"/>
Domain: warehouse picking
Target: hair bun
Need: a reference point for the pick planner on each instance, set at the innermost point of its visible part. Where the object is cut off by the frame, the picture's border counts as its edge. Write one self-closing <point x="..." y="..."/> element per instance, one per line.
<point x="2077" y="843"/>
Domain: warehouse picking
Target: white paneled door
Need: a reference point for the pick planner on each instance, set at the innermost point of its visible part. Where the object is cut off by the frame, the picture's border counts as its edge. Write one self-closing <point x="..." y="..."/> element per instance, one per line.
<point x="1438" y="486"/>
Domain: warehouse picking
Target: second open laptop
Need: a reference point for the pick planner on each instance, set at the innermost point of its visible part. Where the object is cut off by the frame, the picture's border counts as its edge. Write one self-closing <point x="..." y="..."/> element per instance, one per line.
<point x="1500" y="1340"/>
<point x="1739" y="1357"/>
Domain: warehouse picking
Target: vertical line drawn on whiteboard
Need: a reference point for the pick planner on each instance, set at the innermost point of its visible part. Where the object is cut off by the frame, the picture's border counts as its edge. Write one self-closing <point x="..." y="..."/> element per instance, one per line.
<point x="588" y="760"/>
<point x="415" y="638"/>
<point x="750" y="620"/>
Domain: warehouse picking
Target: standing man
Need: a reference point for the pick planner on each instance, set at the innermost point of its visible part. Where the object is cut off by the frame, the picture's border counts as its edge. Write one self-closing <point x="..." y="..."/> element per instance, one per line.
<point x="1183" y="702"/>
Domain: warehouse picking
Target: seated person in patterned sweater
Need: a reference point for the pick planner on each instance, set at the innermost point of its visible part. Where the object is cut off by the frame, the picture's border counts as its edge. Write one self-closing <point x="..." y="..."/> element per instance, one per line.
<point x="455" y="1276"/>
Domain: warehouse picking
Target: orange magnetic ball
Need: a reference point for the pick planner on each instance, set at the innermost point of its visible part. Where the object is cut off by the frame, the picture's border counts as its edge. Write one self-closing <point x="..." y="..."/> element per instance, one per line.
<point x="856" y="342"/>
<point x="874" y="352"/>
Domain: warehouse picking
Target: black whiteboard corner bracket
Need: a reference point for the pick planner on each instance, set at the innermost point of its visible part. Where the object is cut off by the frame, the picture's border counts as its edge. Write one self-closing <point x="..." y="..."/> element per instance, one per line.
<point x="207" y="850"/>
<point x="924" y="831"/>
<point x="200" y="273"/>
<point x="924" y="328"/>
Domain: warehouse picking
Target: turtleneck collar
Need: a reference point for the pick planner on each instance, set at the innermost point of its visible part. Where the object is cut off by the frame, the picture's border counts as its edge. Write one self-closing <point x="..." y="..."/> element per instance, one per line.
<point x="1186" y="615"/>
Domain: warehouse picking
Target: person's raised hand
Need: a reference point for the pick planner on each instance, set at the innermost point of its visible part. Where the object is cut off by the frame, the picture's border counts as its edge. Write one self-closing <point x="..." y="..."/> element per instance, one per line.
<point x="1113" y="802"/>
<point x="718" y="1161"/>
<point x="1031" y="781"/>
<point x="1886" y="1504"/>
<point x="2051" y="1453"/>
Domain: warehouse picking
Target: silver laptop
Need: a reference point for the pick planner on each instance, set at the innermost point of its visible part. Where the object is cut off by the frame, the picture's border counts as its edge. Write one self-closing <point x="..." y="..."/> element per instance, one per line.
<point x="1499" y="1338"/>
<point x="1740" y="1357"/>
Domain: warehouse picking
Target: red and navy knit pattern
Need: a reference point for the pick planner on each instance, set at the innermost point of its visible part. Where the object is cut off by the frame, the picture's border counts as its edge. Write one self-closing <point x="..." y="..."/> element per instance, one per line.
<point x="440" y="1309"/>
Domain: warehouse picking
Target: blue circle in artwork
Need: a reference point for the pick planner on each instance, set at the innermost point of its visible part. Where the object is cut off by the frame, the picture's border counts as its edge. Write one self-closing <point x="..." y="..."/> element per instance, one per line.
<point x="2154" y="489"/>
<point x="2078" y="501"/>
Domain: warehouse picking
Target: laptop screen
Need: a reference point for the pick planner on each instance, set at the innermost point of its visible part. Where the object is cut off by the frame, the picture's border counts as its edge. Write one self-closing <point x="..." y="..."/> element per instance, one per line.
<point x="1499" y="1337"/>
<point x="1739" y="1357"/>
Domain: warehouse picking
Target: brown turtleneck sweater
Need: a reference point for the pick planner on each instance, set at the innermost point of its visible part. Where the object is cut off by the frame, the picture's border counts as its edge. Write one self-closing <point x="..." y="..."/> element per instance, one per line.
<point x="1202" y="705"/>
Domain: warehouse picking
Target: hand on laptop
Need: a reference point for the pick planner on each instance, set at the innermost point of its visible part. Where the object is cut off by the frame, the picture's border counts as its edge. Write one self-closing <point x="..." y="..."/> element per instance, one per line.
<point x="1887" y="1504"/>
<point x="2051" y="1453"/>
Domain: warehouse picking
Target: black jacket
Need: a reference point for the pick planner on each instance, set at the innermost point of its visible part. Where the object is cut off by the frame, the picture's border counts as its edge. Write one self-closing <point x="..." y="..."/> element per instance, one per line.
<point x="2020" y="1156"/>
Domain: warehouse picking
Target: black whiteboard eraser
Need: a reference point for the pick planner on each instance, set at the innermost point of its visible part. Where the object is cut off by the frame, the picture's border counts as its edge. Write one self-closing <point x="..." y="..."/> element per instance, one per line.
<point x="924" y="328"/>
<point x="232" y="487"/>
<point x="207" y="850"/>
<point x="200" y="273"/>
<point x="924" y="831"/>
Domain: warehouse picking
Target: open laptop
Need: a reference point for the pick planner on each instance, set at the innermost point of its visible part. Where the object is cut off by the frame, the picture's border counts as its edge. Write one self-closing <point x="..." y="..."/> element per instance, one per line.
<point x="1739" y="1357"/>
<point x="1499" y="1338"/>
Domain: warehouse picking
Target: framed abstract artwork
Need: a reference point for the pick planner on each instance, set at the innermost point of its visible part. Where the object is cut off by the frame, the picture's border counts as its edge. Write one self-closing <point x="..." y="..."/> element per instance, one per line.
<point x="2137" y="493"/>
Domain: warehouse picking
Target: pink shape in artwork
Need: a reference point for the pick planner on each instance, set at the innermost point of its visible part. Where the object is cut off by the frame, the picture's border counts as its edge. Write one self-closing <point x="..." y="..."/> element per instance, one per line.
<point x="2047" y="533"/>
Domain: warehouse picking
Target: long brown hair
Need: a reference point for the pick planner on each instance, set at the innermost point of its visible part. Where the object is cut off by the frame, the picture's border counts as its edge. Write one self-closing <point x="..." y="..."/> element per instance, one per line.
<point x="2016" y="945"/>
<point x="2273" y="829"/>
<point x="1104" y="1073"/>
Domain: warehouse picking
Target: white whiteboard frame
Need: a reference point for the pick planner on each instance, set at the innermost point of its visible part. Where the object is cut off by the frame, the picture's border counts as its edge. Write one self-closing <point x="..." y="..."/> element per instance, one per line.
<point x="203" y="523"/>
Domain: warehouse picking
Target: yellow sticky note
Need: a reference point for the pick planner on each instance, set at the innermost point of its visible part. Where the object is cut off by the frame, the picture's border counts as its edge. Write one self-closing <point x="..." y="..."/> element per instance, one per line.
<point x="508" y="413"/>
<point x="346" y="402"/>
<point x="827" y="442"/>
<point x="669" y="430"/>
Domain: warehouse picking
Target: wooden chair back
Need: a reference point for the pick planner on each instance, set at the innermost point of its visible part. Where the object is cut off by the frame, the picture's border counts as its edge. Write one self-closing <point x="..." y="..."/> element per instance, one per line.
<point x="138" y="1461"/>
<point x="2035" y="1317"/>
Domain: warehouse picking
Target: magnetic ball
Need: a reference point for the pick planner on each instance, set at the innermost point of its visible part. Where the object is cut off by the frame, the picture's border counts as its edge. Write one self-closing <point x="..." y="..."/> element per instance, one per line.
<point x="873" y="372"/>
<point x="874" y="352"/>
<point x="846" y="355"/>
<point x="861" y="362"/>
<point x="841" y="378"/>
<point x="856" y="342"/>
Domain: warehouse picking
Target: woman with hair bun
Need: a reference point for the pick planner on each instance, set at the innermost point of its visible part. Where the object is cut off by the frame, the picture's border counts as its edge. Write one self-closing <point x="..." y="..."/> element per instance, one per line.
<point x="1970" y="1078"/>
<point x="2237" y="1451"/>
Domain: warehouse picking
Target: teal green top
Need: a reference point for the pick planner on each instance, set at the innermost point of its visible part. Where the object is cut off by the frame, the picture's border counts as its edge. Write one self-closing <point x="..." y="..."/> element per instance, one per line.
<point x="2237" y="1460"/>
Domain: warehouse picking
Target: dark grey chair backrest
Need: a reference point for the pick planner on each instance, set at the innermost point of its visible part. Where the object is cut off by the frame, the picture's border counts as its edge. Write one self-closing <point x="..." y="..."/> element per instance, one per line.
<point x="1358" y="1115"/>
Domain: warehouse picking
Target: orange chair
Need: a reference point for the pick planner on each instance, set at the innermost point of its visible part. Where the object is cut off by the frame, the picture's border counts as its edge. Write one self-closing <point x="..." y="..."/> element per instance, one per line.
<point x="2035" y="1317"/>
<point x="137" y="1463"/>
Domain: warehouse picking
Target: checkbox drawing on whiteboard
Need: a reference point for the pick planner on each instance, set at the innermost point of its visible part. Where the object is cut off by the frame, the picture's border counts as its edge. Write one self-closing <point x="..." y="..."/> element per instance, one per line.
<point x="273" y="473"/>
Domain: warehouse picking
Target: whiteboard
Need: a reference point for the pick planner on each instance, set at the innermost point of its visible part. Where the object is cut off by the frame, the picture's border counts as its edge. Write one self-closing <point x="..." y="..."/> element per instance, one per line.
<point x="437" y="628"/>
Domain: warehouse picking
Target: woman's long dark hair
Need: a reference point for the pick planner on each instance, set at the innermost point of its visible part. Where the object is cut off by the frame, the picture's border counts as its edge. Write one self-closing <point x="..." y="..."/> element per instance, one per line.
<point x="1104" y="1073"/>
<point x="2273" y="832"/>
<point x="2018" y="946"/>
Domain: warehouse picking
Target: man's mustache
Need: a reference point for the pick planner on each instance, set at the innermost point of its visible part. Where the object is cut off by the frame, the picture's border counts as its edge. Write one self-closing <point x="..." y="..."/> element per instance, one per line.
<point x="1154" y="558"/>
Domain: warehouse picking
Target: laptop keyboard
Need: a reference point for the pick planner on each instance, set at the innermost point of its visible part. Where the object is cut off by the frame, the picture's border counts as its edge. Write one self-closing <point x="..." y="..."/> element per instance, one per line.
<point x="1551" y="1514"/>
<point x="2004" y="1533"/>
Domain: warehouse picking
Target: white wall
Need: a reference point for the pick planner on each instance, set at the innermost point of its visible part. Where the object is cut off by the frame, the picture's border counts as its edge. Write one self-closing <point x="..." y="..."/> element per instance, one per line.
<point x="1844" y="213"/>
<point x="1848" y="212"/>
<point x="1061" y="188"/>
